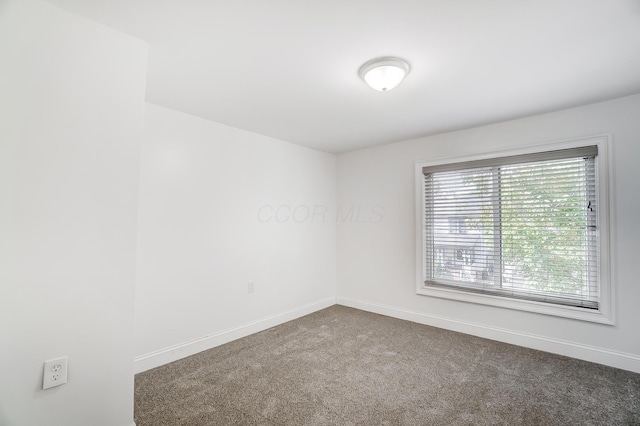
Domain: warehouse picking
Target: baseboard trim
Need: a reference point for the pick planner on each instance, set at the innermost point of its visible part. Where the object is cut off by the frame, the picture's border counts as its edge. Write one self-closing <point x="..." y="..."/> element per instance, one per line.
<point x="173" y="353"/>
<point x="598" y="355"/>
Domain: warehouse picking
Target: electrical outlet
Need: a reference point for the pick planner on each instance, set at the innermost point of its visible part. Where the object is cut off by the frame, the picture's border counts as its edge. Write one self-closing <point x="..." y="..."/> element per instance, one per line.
<point x="251" y="287"/>
<point x="55" y="372"/>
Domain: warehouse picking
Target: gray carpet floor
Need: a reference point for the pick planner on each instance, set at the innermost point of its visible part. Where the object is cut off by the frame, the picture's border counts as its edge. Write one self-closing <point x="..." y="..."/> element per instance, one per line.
<point x="342" y="366"/>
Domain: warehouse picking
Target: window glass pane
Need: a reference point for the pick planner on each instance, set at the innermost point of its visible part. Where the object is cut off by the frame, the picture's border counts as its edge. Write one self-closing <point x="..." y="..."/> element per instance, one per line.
<point x="544" y="227"/>
<point x="462" y="212"/>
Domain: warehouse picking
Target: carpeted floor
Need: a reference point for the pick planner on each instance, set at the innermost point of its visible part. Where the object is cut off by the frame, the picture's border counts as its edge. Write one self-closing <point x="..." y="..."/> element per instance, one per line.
<point x="342" y="366"/>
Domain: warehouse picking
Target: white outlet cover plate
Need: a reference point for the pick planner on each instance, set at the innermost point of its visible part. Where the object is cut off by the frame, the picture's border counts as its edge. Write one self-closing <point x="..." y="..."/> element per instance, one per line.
<point x="55" y="372"/>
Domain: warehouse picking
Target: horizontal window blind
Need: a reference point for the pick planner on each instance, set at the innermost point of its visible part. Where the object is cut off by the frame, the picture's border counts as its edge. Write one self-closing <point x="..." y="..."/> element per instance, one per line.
<point x="521" y="226"/>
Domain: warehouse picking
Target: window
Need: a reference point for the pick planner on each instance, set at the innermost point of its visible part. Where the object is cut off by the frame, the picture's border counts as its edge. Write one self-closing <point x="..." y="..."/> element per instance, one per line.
<point x="524" y="229"/>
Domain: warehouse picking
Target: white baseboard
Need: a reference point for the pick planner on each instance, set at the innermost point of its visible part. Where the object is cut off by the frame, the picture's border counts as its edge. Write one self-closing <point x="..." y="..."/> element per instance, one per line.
<point x="185" y="349"/>
<point x="608" y="357"/>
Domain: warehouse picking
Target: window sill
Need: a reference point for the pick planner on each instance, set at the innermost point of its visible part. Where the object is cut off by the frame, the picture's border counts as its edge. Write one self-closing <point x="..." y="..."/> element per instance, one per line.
<point x="591" y="315"/>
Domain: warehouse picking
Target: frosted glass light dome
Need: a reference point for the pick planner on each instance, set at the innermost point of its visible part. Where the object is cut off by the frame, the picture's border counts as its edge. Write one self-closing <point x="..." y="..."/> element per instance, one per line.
<point x="385" y="73"/>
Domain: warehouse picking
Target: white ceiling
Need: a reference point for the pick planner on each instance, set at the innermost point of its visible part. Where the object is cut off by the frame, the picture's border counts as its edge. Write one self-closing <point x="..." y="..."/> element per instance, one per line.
<point x="288" y="68"/>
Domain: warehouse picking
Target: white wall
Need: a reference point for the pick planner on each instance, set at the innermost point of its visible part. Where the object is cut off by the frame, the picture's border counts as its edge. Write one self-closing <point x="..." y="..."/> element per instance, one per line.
<point x="207" y="227"/>
<point x="71" y="117"/>
<point x="376" y="261"/>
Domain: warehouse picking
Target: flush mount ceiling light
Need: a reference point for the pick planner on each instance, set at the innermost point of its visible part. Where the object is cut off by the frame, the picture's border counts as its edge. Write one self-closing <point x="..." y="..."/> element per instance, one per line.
<point x="385" y="73"/>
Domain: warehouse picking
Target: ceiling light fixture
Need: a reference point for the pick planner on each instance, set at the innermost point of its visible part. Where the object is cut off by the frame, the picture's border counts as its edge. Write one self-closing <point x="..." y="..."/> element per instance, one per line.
<point x="384" y="73"/>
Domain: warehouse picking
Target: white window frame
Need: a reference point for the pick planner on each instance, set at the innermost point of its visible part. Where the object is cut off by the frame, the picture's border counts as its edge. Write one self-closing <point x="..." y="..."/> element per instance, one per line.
<point x="605" y="314"/>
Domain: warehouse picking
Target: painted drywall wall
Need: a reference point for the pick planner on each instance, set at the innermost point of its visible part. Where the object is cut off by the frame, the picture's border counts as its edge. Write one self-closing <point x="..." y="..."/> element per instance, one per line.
<point x="71" y="120"/>
<point x="376" y="259"/>
<point x="219" y="208"/>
